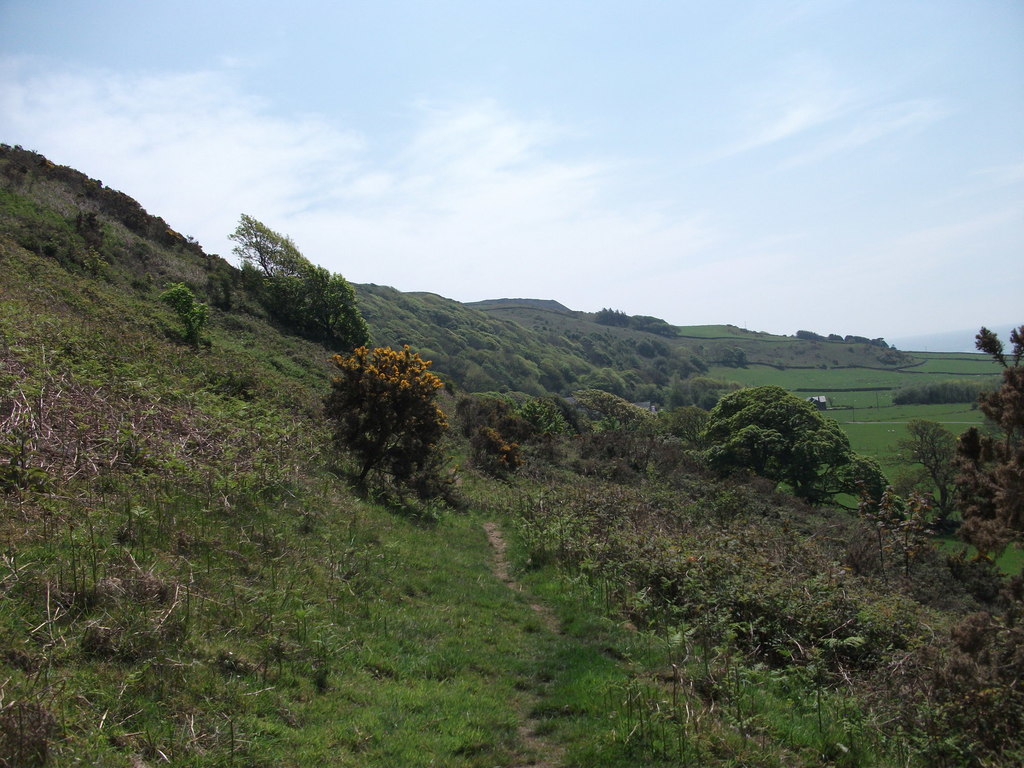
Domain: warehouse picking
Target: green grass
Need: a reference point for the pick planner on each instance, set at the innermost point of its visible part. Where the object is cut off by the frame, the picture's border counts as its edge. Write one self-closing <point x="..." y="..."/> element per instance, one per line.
<point x="876" y="432"/>
<point x="1010" y="561"/>
<point x="431" y="656"/>
<point x="956" y="364"/>
<point x="187" y="580"/>
<point x="721" y="332"/>
<point x="839" y="380"/>
<point x="195" y="588"/>
<point x="658" y="697"/>
<point x="309" y="628"/>
<point x="810" y="380"/>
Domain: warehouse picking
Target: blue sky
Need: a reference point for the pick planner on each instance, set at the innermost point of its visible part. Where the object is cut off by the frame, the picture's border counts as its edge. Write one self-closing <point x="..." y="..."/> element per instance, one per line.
<point x="841" y="167"/>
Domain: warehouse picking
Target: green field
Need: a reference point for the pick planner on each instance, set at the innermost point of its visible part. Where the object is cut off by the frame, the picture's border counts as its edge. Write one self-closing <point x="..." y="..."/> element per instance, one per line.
<point x="877" y="432"/>
<point x="815" y="381"/>
<point x="956" y="364"/>
<point x="861" y="399"/>
<point x="716" y="332"/>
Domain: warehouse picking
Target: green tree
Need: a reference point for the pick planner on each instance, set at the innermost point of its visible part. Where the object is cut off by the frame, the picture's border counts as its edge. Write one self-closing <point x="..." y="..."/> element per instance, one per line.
<point x="329" y="306"/>
<point x="272" y="253"/>
<point x="613" y="411"/>
<point x="990" y="482"/>
<point x="544" y="416"/>
<point x="313" y="301"/>
<point x="612" y="317"/>
<point x="933" y="447"/>
<point x="700" y="391"/>
<point x="732" y="356"/>
<point x="383" y="407"/>
<point x="777" y="435"/>
<point x="193" y="314"/>
<point x="688" y="423"/>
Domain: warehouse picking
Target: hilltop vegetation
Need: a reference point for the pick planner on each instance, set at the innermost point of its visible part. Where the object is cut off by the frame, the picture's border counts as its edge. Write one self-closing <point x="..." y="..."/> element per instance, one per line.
<point x="192" y="572"/>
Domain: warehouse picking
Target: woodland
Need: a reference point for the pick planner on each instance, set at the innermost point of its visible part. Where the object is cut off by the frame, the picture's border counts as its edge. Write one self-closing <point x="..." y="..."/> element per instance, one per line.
<point x="257" y="515"/>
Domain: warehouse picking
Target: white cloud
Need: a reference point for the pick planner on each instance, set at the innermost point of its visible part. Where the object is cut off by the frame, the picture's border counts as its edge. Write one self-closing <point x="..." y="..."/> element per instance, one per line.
<point x="798" y="99"/>
<point x="189" y="147"/>
<point x="473" y="201"/>
<point x="806" y="104"/>
<point x="475" y="205"/>
<point x="1007" y="175"/>
<point x="872" y="125"/>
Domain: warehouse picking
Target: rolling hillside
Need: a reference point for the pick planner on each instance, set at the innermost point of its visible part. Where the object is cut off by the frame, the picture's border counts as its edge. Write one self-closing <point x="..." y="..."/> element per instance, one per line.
<point x="189" y="576"/>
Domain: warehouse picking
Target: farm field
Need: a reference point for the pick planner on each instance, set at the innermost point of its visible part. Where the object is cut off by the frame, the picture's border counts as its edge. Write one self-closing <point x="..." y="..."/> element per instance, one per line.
<point x="875" y="432"/>
<point x="839" y="380"/>
<point x="812" y="380"/>
<point x="878" y="432"/>
<point x="715" y="332"/>
<point x="955" y="364"/>
<point x="946" y="413"/>
<point x="868" y="416"/>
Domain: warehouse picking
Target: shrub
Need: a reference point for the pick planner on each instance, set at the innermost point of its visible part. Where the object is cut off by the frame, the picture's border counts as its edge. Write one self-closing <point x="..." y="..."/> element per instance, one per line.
<point x="493" y="455"/>
<point x="938" y="392"/>
<point x="193" y="314"/>
<point x="382" y="403"/>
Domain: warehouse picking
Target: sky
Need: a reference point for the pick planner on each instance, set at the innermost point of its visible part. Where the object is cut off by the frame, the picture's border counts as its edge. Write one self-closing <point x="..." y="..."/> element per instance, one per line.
<point x="841" y="167"/>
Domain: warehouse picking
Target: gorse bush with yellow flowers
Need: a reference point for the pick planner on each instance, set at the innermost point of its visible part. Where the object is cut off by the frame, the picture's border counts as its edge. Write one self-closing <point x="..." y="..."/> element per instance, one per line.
<point x="383" y="407"/>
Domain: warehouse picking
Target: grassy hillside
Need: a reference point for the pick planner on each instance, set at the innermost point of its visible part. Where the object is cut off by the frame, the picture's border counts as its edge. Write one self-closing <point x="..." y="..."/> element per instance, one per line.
<point x="858" y="379"/>
<point x="187" y="577"/>
<point x="482" y="351"/>
<point x="503" y="345"/>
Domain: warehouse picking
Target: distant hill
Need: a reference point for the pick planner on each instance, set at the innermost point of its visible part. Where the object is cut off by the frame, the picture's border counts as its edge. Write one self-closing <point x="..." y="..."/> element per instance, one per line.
<point x="524" y="345"/>
<point x="548" y="304"/>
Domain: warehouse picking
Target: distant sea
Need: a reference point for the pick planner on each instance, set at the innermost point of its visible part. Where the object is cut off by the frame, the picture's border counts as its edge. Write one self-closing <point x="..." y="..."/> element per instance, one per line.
<point x="949" y="341"/>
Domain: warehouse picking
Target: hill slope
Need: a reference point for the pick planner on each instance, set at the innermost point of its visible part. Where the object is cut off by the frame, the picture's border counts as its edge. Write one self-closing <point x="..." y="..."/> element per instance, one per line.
<point x="187" y="579"/>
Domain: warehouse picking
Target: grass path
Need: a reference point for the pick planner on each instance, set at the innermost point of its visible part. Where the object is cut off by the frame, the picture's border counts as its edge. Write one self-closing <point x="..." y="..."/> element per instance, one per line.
<point x="501" y="570"/>
<point x="438" y="659"/>
<point x="527" y="730"/>
<point x="445" y="658"/>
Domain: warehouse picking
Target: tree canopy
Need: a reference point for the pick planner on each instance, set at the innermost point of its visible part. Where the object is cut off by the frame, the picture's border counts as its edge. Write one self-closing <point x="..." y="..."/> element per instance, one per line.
<point x="273" y="254"/>
<point x="933" y="447"/>
<point x="315" y="302"/>
<point x="777" y="435"/>
<point x="612" y="411"/>
<point x="687" y="422"/>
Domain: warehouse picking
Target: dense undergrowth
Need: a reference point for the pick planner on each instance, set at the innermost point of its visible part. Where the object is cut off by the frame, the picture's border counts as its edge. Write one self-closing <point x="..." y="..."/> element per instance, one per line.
<point x="776" y="634"/>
